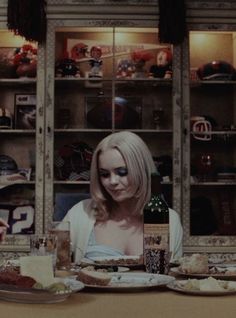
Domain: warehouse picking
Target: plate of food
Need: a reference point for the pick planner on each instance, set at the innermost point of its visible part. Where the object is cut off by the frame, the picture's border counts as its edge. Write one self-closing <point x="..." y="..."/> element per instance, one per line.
<point x="107" y="269"/>
<point x="24" y="289"/>
<point x="11" y="264"/>
<point x="127" y="261"/>
<point x="122" y="281"/>
<point x="206" y="287"/>
<point x="197" y="265"/>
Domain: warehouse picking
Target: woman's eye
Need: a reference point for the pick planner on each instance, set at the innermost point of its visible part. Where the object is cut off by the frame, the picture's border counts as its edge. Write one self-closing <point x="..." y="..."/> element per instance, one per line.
<point x="122" y="172"/>
<point x="104" y="174"/>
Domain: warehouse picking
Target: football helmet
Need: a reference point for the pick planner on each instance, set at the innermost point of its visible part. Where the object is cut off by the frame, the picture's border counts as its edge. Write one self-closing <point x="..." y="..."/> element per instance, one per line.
<point x="7" y="165"/>
<point x="216" y="70"/>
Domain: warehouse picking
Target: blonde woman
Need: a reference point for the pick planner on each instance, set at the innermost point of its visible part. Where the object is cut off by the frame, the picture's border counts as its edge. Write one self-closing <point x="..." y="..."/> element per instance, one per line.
<point x="110" y="223"/>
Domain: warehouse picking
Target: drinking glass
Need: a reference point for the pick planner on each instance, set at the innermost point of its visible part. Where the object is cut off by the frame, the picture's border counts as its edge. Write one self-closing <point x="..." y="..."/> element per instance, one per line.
<point x="44" y="245"/>
<point x="205" y="167"/>
<point x="62" y="231"/>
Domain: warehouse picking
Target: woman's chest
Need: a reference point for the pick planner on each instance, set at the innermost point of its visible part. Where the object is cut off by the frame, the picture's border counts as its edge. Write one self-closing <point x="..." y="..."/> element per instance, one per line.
<point x="127" y="239"/>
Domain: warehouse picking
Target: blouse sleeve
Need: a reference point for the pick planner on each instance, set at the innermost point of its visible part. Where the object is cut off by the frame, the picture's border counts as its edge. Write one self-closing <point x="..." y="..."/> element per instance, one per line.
<point x="82" y="221"/>
<point x="176" y="236"/>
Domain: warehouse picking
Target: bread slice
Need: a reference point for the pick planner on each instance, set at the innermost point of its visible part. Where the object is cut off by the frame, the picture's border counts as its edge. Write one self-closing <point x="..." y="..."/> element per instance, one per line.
<point x="89" y="277"/>
<point x="194" y="264"/>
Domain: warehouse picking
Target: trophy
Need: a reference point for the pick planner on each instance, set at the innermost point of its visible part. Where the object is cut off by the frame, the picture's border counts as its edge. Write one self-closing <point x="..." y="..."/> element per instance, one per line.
<point x="158" y="115"/>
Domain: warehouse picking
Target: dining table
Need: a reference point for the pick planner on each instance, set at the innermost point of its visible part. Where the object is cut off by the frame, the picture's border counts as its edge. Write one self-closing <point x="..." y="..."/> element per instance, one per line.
<point x="159" y="302"/>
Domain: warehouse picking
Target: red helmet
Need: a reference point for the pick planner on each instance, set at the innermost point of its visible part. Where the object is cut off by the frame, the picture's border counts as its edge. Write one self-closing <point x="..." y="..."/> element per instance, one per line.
<point x="79" y="51"/>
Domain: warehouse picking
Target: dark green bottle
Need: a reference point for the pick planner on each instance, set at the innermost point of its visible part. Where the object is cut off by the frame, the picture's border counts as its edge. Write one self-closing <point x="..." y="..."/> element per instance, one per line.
<point x="156" y="230"/>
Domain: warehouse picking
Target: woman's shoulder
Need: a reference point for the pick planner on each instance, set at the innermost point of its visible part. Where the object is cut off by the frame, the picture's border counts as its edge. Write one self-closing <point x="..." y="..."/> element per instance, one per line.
<point x="173" y="214"/>
<point x="84" y="207"/>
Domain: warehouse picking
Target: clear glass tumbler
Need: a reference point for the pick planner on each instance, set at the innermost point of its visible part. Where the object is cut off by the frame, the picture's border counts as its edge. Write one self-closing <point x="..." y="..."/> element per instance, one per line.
<point x="44" y="245"/>
<point x="62" y="232"/>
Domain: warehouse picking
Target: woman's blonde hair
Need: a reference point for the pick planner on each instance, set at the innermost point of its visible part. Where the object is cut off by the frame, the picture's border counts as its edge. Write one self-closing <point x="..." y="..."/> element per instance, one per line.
<point x="139" y="163"/>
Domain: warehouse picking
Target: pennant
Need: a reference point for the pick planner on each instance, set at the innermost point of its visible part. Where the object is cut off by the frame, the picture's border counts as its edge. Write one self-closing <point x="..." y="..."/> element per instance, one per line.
<point x="172" y="21"/>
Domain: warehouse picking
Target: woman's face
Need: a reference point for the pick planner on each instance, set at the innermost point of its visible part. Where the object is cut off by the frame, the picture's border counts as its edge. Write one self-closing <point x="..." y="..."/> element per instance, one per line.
<point x="113" y="174"/>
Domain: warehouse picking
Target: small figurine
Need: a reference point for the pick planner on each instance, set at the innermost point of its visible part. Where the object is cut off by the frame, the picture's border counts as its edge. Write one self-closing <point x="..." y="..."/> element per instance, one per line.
<point x="139" y="59"/>
<point x="95" y="62"/>
<point x="67" y="68"/>
<point x="163" y="68"/>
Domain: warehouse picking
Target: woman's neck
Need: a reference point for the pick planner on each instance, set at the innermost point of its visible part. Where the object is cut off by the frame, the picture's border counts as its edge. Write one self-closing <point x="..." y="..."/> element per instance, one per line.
<point x="123" y="211"/>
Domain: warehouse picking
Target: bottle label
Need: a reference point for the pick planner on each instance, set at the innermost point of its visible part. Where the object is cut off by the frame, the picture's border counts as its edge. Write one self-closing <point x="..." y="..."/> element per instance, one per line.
<point x="156" y="236"/>
<point x="156" y="248"/>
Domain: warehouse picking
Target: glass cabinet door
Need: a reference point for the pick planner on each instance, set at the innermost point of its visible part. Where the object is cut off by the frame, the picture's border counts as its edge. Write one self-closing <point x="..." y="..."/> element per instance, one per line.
<point x="106" y="79"/>
<point x="21" y="182"/>
<point x="211" y="118"/>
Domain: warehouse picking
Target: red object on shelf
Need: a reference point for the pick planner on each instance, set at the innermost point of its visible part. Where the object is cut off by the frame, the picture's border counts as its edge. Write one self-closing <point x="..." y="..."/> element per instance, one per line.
<point x="27" y="70"/>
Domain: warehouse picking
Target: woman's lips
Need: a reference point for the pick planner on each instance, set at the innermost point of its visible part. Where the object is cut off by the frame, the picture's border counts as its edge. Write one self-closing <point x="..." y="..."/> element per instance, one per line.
<point x="116" y="192"/>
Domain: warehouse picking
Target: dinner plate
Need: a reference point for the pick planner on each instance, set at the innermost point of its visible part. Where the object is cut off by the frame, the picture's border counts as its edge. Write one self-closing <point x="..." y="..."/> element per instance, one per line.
<point x="127" y="261"/>
<point x="223" y="265"/>
<point x="133" y="282"/>
<point x="178" y="286"/>
<point x="35" y="296"/>
<point x="177" y="271"/>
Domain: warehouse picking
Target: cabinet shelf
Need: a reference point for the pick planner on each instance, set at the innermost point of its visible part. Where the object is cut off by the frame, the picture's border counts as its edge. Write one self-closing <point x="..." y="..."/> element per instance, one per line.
<point x="20" y="182"/>
<point x="130" y="82"/>
<point x="88" y="182"/>
<point x="82" y="79"/>
<point x="81" y="130"/>
<point x="213" y="183"/>
<point x="146" y="82"/>
<point x="215" y="132"/>
<point x="118" y="80"/>
<point x="198" y="83"/>
<point x="70" y="182"/>
<point x="151" y="131"/>
<point x="89" y="130"/>
<point x="18" y="131"/>
<point x="17" y="81"/>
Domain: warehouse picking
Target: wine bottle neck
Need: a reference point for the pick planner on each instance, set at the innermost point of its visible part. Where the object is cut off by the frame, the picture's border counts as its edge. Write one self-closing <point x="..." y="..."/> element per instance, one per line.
<point x="155" y="184"/>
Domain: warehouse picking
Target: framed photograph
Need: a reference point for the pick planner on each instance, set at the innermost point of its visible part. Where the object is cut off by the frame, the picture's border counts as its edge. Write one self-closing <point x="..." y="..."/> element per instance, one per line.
<point x="128" y="112"/>
<point x="25" y="111"/>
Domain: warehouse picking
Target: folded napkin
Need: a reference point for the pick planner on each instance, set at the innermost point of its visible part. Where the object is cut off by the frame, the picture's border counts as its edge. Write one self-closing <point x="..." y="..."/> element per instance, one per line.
<point x="38" y="267"/>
